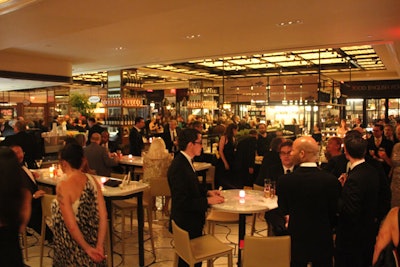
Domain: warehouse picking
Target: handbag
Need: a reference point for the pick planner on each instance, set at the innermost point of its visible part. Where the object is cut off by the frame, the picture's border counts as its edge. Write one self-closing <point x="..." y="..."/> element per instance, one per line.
<point x="389" y="256"/>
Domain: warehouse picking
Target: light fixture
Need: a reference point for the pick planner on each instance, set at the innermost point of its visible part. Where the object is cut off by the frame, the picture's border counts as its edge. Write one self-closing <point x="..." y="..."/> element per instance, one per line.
<point x="7" y="6"/>
<point x="284" y="101"/>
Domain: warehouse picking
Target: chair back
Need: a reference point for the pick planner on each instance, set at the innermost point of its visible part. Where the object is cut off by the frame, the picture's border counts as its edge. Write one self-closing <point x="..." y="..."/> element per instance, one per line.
<point x="182" y="242"/>
<point x="46" y="205"/>
<point x="46" y="201"/>
<point x="155" y="173"/>
<point x="277" y="248"/>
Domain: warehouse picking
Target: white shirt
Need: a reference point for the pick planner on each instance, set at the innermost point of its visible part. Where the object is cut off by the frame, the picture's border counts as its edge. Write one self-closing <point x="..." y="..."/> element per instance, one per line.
<point x="29" y="174"/>
<point x="189" y="159"/>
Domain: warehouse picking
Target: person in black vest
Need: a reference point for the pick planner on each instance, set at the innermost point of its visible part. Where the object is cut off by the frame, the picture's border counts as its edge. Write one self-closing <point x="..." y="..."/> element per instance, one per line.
<point x="135" y="137"/>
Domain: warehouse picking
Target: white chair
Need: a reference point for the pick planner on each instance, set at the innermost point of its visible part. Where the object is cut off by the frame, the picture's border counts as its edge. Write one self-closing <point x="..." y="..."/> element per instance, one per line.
<point x="130" y="205"/>
<point x="266" y="251"/>
<point x="198" y="249"/>
<point x="46" y="214"/>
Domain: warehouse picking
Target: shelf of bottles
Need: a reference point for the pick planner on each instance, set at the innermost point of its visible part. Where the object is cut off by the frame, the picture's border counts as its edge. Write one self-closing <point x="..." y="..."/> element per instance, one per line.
<point x="124" y="120"/>
<point x="125" y="102"/>
<point x="202" y="98"/>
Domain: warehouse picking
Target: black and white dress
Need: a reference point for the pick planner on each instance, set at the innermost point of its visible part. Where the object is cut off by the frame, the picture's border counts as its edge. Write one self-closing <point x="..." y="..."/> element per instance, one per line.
<point x="67" y="252"/>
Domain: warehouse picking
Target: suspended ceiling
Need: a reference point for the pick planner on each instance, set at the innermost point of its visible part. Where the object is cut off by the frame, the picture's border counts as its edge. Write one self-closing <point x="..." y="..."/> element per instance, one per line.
<point x="65" y="38"/>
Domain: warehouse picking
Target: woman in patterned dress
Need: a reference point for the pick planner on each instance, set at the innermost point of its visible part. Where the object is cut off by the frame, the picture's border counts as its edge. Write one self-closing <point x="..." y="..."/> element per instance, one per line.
<point x="79" y="215"/>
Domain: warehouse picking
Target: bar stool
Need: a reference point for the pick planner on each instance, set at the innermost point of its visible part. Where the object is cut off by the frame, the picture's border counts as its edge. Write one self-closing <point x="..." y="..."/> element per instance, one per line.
<point x="126" y="207"/>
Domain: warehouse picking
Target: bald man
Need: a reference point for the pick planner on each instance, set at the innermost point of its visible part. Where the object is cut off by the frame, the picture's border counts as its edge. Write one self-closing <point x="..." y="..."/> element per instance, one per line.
<point x="98" y="157"/>
<point x="308" y="198"/>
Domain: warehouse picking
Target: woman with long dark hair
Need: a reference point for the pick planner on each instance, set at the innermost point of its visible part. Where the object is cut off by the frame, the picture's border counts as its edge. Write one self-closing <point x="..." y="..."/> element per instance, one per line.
<point x="14" y="208"/>
<point x="79" y="214"/>
<point x="226" y="150"/>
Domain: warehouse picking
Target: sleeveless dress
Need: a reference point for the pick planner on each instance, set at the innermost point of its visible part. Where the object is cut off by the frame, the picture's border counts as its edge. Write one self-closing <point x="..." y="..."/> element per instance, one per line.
<point x="66" y="251"/>
<point x="224" y="177"/>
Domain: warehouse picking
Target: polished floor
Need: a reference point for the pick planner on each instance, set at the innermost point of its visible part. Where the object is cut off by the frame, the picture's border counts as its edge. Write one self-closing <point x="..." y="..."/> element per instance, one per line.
<point x="164" y="250"/>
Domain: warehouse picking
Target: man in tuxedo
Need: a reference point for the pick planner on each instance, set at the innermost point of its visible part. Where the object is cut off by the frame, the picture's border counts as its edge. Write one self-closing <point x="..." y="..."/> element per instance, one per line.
<point x="35" y="221"/>
<point x="170" y="136"/>
<point x="135" y="137"/>
<point x="25" y="140"/>
<point x="262" y="140"/>
<point x="245" y="160"/>
<point x="190" y="199"/>
<point x="380" y="148"/>
<point x="308" y="198"/>
<point x="274" y="218"/>
<point x="358" y="207"/>
<point x="98" y="157"/>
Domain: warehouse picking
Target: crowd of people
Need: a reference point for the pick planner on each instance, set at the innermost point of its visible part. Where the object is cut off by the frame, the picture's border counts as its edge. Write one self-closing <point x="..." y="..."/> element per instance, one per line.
<point x="332" y="211"/>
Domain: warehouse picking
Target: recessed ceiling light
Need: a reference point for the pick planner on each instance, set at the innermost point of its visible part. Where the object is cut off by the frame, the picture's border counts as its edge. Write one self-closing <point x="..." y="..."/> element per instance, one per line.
<point x="288" y="23"/>
<point x="192" y="36"/>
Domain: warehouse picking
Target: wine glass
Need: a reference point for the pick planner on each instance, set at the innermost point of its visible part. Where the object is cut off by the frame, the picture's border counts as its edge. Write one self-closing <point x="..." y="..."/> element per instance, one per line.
<point x="39" y="162"/>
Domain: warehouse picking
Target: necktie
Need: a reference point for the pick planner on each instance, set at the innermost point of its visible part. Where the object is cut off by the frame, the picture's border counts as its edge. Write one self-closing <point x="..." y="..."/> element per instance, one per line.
<point x="377" y="142"/>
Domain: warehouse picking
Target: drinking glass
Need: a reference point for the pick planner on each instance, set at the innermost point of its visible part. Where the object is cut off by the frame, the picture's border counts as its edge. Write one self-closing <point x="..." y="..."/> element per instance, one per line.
<point x="38" y="162"/>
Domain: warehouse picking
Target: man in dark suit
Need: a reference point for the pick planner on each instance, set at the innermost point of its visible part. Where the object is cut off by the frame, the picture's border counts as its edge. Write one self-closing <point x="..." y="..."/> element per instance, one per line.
<point x="135" y="137"/>
<point x="190" y="199"/>
<point x="93" y="127"/>
<point x="270" y="158"/>
<point x="308" y="197"/>
<point x="111" y="146"/>
<point x="262" y="140"/>
<point x="98" y="157"/>
<point x="35" y="221"/>
<point x="25" y="141"/>
<point x="380" y="148"/>
<point x="358" y="207"/>
<point x="170" y="136"/>
<point x="245" y="160"/>
<point x="274" y="218"/>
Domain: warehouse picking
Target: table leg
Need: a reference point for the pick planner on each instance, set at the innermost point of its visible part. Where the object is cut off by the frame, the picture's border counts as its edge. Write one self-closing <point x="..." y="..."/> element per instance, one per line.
<point x="140" y="227"/>
<point x="110" y="232"/>
<point x="242" y="232"/>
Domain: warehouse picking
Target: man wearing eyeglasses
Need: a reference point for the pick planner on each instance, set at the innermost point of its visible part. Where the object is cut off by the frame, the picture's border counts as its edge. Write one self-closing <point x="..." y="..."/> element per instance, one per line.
<point x="190" y="199"/>
<point x="274" y="218"/>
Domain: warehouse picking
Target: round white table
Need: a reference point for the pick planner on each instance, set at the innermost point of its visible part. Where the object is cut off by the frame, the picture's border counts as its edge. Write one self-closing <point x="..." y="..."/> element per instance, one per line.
<point x="253" y="202"/>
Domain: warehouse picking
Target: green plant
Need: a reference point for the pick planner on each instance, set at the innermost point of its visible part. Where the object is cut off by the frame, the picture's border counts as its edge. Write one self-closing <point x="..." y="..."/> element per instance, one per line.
<point x="82" y="104"/>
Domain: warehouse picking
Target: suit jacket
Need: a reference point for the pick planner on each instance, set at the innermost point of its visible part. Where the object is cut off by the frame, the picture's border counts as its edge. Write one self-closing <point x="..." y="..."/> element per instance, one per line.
<point x="166" y="136"/>
<point x="96" y="128"/>
<point x="337" y="165"/>
<point x="99" y="160"/>
<point x="135" y="142"/>
<point x="28" y="144"/>
<point x="387" y="145"/>
<point x="271" y="158"/>
<point x="309" y="195"/>
<point x="244" y="159"/>
<point x="358" y="205"/>
<point x="189" y="197"/>
<point x="273" y="172"/>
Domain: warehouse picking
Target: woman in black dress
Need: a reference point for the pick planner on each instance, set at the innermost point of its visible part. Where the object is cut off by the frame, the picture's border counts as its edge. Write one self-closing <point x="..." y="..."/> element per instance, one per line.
<point x="14" y="208"/>
<point x="226" y="149"/>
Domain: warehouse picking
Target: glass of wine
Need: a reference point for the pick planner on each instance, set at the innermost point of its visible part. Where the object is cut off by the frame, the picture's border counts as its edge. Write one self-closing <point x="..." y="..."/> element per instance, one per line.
<point x="39" y="162"/>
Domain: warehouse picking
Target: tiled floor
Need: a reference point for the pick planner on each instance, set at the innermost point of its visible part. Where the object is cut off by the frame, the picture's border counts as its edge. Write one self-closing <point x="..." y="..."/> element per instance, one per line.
<point x="163" y="244"/>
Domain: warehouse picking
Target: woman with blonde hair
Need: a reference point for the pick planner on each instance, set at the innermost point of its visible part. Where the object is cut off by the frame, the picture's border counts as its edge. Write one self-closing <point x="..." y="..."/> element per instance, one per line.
<point x="155" y="166"/>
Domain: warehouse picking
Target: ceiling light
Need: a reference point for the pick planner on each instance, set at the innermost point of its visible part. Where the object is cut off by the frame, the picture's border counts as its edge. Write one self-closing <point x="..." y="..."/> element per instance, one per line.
<point x="7" y="6"/>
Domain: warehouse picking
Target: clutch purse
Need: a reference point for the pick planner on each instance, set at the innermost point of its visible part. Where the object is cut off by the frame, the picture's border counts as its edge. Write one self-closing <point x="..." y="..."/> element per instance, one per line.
<point x="112" y="183"/>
